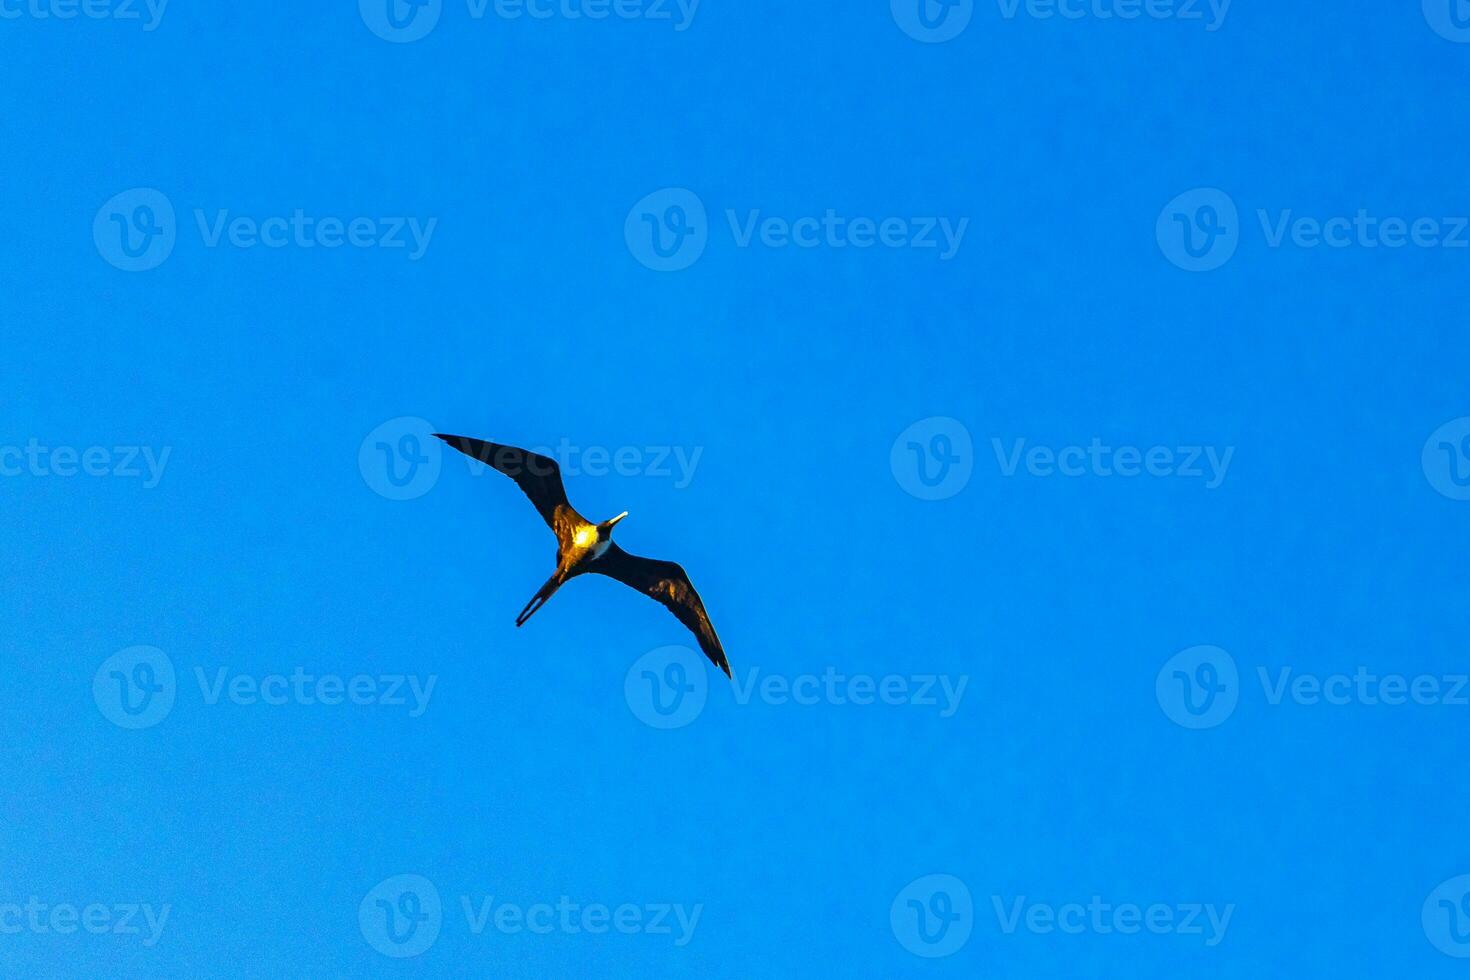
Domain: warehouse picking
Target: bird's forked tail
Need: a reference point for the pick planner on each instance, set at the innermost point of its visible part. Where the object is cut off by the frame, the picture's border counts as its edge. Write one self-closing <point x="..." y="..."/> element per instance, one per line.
<point x="539" y="599"/>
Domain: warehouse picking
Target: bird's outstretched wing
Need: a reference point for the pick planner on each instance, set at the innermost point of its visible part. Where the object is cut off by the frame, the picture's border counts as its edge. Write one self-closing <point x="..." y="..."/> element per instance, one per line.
<point x="538" y="476"/>
<point x="670" y="585"/>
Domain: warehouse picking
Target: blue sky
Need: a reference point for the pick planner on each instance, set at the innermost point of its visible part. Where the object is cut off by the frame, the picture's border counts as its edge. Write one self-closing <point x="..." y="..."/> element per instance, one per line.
<point x="1063" y="416"/>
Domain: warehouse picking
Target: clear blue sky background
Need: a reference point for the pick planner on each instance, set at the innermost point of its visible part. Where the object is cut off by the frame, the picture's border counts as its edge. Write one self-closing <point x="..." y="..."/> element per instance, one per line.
<point x="264" y="548"/>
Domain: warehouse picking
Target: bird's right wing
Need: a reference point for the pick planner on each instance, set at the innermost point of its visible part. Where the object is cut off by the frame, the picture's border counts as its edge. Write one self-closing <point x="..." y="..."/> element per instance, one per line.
<point x="538" y="476"/>
<point x="667" y="582"/>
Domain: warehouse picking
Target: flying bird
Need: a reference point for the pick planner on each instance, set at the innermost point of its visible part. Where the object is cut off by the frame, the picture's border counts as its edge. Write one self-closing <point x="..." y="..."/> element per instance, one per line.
<point x="583" y="547"/>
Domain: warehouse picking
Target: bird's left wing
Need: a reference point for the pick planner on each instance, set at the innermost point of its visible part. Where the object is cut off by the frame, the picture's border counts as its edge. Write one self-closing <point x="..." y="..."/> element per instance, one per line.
<point x="670" y="585"/>
<point x="538" y="477"/>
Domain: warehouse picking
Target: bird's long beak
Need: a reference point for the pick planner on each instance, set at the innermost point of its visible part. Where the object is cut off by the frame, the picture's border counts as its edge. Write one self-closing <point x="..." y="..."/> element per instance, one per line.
<point x="618" y="518"/>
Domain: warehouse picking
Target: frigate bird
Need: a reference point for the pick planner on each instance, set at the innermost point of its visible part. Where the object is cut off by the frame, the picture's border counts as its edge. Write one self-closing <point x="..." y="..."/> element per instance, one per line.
<point x="583" y="547"/>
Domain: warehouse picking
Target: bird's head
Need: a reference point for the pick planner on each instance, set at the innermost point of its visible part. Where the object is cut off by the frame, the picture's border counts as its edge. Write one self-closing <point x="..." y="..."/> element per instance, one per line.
<point x="604" y="530"/>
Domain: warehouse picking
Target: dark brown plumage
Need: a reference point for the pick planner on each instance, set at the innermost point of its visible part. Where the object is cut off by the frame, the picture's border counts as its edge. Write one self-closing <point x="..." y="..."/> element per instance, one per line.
<point x="583" y="547"/>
